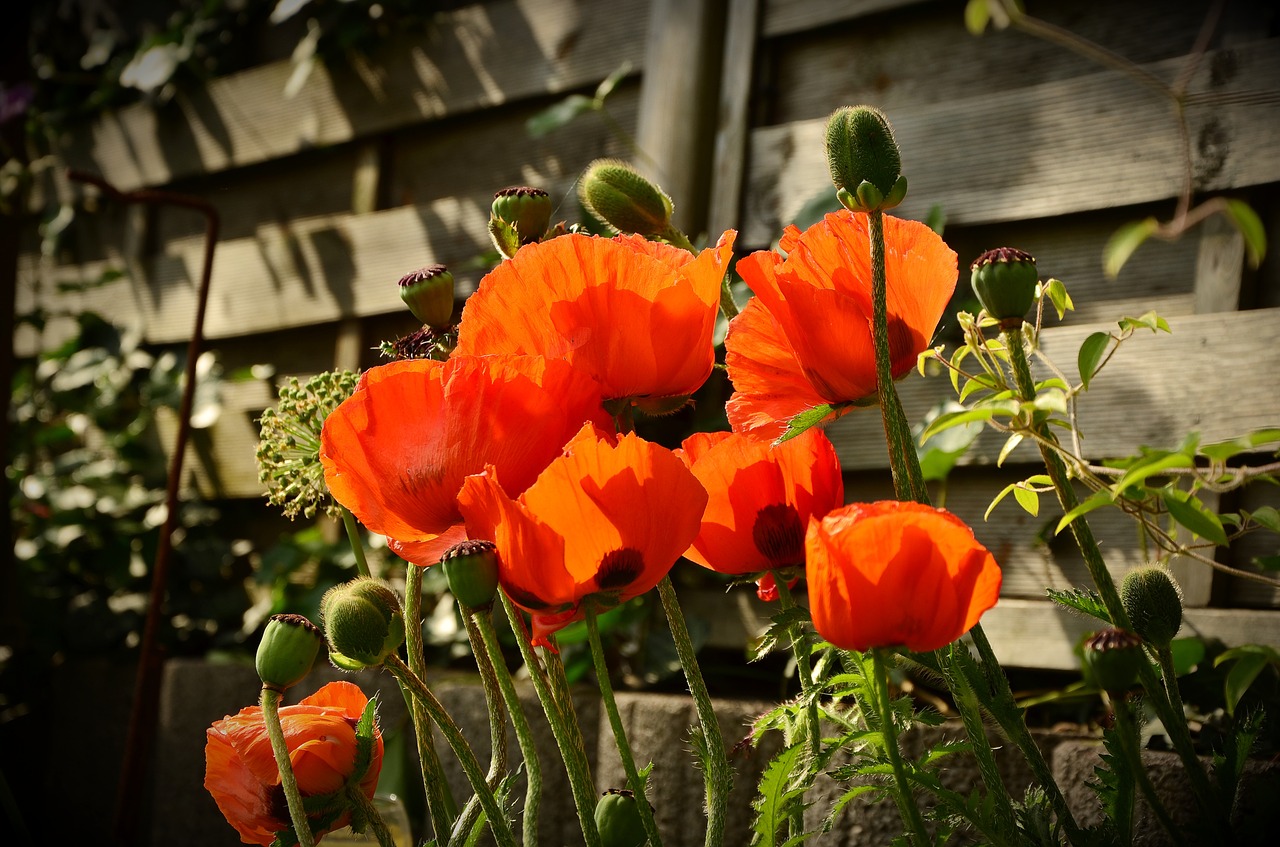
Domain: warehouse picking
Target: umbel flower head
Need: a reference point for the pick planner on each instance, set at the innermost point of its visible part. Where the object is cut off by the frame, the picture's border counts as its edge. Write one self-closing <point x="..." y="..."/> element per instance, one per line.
<point x="289" y="450"/>
<point x="893" y="573"/>
<point x="805" y="341"/>
<point x="320" y="734"/>
<point x="602" y="524"/>
<point x="396" y="452"/>
<point x="636" y="315"/>
<point x="761" y="498"/>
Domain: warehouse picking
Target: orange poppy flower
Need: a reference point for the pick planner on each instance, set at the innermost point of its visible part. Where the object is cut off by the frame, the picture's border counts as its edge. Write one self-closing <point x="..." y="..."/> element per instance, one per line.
<point x="892" y="573"/>
<point x="636" y="315"/>
<point x="320" y="733"/>
<point x="805" y="340"/>
<point x="396" y="452"/>
<point x="603" y="523"/>
<point x="761" y="498"/>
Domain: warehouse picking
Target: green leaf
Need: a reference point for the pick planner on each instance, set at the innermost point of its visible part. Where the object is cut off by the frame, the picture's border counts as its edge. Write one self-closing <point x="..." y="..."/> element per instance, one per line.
<point x="1010" y="444"/>
<point x="1147" y="320"/>
<point x="1093" y="501"/>
<point x="1124" y="241"/>
<point x="558" y="115"/>
<point x="947" y="446"/>
<point x="817" y="207"/>
<point x="976" y="16"/>
<point x="805" y="421"/>
<point x="1058" y="296"/>
<point x="605" y="88"/>
<point x="776" y="796"/>
<point x="844" y="800"/>
<point x="1004" y="492"/>
<point x="1027" y="499"/>
<point x="984" y="412"/>
<point x="977" y="383"/>
<point x="1187" y="653"/>
<point x="1152" y="465"/>
<point x="1082" y="601"/>
<point x="1267" y="563"/>
<point x="1188" y="511"/>
<point x="1091" y="353"/>
<point x="1240" y="677"/>
<point x="1223" y="450"/>
<point x="1266" y="516"/>
<point x="1251" y="227"/>
<point x="936" y="220"/>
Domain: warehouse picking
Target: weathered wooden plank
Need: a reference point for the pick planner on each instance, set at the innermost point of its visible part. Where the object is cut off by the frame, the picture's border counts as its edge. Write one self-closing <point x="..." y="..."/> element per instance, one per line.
<point x="784" y="17"/>
<point x="1218" y="266"/>
<point x="1214" y="374"/>
<point x="729" y="157"/>
<point x="471" y="58"/>
<point x="1241" y="592"/>
<point x="1092" y="142"/>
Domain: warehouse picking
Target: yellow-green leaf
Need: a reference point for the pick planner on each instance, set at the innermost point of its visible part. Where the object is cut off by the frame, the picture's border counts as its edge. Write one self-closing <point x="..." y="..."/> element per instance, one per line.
<point x="1091" y="353"/>
<point x="1093" y="501"/>
<point x="1124" y="241"/>
<point x="1251" y="227"/>
<point x="1188" y="511"/>
<point x="1027" y="499"/>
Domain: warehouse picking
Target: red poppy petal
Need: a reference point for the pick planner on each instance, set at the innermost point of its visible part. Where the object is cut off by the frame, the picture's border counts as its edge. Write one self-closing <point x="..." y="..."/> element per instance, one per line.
<point x="427" y="553"/>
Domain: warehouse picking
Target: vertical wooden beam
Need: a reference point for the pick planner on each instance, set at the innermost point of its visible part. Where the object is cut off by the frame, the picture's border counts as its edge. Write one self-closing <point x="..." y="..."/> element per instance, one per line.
<point x="677" y="103"/>
<point x="1219" y="265"/>
<point x="729" y="164"/>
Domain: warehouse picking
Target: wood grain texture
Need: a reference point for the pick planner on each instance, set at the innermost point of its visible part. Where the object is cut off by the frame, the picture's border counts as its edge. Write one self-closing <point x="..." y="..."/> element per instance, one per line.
<point x="471" y="58"/>
<point x="784" y="17"/>
<point x="729" y="162"/>
<point x="1093" y="142"/>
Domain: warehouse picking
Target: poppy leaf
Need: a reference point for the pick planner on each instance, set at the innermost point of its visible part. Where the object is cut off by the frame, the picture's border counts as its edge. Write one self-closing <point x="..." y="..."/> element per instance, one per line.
<point x="1078" y="600"/>
<point x="829" y="822"/>
<point x="1093" y="501"/>
<point x="1090" y="356"/>
<point x="1188" y="511"/>
<point x="776" y="795"/>
<point x="1251" y="228"/>
<point x="1124" y="241"/>
<point x="805" y="421"/>
<point x="1027" y="499"/>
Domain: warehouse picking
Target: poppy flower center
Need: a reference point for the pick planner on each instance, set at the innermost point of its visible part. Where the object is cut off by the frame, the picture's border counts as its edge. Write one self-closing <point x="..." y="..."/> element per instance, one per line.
<point x="619" y="568"/>
<point x="778" y="534"/>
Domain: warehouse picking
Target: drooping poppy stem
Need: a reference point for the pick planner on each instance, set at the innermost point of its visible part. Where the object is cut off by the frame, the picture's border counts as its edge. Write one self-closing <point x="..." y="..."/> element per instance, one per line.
<point x="524" y="733"/>
<point x="564" y="727"/>
<point x="1127" y="732"/>
<point x="717" y="774"/>
<point x="292" y="796"/>
<point x="904" y="796"/>
<point x="634" y="781"/>
<point x="441" y="806"/>
<point x="494" y="707"/>
<point x="372" y="816"/>
<point x="453" y="735"/>
<point x="353" y="536"/>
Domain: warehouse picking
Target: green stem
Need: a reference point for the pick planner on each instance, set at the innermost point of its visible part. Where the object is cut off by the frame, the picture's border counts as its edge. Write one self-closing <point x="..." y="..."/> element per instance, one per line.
<point x="442" y="808"/>
<point x="564" y="727"/>
<point x="371" y="815"/>
<point x="677" y="238"/>
<point x="800" y="649"/>
<point x="494" y="707"/>
<point x="524" y="733"/>
<point x="1170" y="674"/>
<point x="453" y="735"/>
<point x="1127" y="730"/>
<point x="634" y="779"/>
<point x="292" y="796"/>
<point x="904" y="796"/>
<point x="908" y="480"/>
<point x="727" y="304"/>
<point x="717" y="774"/>
<point x="353" y="536"/>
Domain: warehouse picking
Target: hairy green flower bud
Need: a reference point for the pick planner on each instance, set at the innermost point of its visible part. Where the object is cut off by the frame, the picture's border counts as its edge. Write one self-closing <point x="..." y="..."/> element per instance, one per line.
<point x="1153" y="602"/>
<point x="1004" y="280"/>
<point x="472" y="570"/>
<point x="528" y="210"/>
<point x="863" y="157"/>
<point x="622" y="199"/>
<point x="288" y="649"/>
<point x="618" y="819"/>
<point x="1113" y="659"/>
<point x="428" y="292"/>
<point x="363" y="622"/>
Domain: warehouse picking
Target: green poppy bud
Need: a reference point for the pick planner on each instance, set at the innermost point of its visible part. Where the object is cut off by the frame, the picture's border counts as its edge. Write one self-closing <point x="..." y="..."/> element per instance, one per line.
<point x="363" y="622"/>
<point x="620" y="198"/>
<point x="863" y="157"/>
<point x="1153" y="602"/>
<point x="1004" y="280"/>
<point x="288" y="649"/>
<point x="526" y="209"/>
<point x="1113" y="659"/>
<point x="428" y="292"/>
<point x="472" y="570"/>
<point x="618" y="819"/>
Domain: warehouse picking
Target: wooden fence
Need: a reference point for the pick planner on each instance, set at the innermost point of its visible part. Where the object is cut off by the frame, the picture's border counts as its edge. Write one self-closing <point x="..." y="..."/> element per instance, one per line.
<point x="389" y="164"/>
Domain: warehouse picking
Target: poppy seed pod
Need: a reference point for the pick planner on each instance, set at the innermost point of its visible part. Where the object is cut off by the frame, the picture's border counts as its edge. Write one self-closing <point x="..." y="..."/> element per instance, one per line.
<point x="363" y="622"/>
<point x="1004" y="280"/>
<point x="863" y="157"/>
<point x="622" y="199"/>
<point x="288" y="649"/>
<point x="527" y="210"/>
<point x="1153" y="602"/>
<point x="1112" y="659"/>
<point x="618" y="819"/>
<point x="428" y="292"/>
<point x="472" y="570"/>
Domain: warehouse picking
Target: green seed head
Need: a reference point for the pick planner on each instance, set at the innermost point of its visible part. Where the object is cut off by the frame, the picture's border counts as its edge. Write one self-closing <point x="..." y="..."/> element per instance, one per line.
<point x="1004" y="280"/>
<point x="1113" y="659"/>
<point x="288" y="649"/>
<point x="1153" y="602"/>
<point x="618" y="819"/>
<point x="526" y="209"/>
<point x="428" y="292"/>
<point x="622" y="199"/>
<point x="472" y="570"/>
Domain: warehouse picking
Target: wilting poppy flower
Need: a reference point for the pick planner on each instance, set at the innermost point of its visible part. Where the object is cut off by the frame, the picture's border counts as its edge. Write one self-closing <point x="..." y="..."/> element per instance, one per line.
<point x="805" y="340"/>
<point x="889" y="573"/>
<point x="320" y="733"/>
<point x="602" y="524"/>
<point x="636" y="315"/>
<point x="761" y="498"/>
<point x="396" y="452"/>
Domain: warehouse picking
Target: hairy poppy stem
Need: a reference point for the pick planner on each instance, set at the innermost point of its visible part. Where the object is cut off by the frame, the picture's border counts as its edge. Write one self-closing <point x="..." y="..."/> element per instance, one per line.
<point x="634" y="780"/>
<point x="812" y="728"/>
<point x="371" y="815"/>
<point x="453" y="735"/>
<point x="353" y="536"/>
<point x="1127" y="730"/>
<point x="292" y="796"/>
<point x="564" y="727"/>
<point x="493" y="702"/>
<point x="441" y="807"/>
<point x="716" y="771"/>
<point x="904" y="796"/>
<point x="524" y="734"/>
